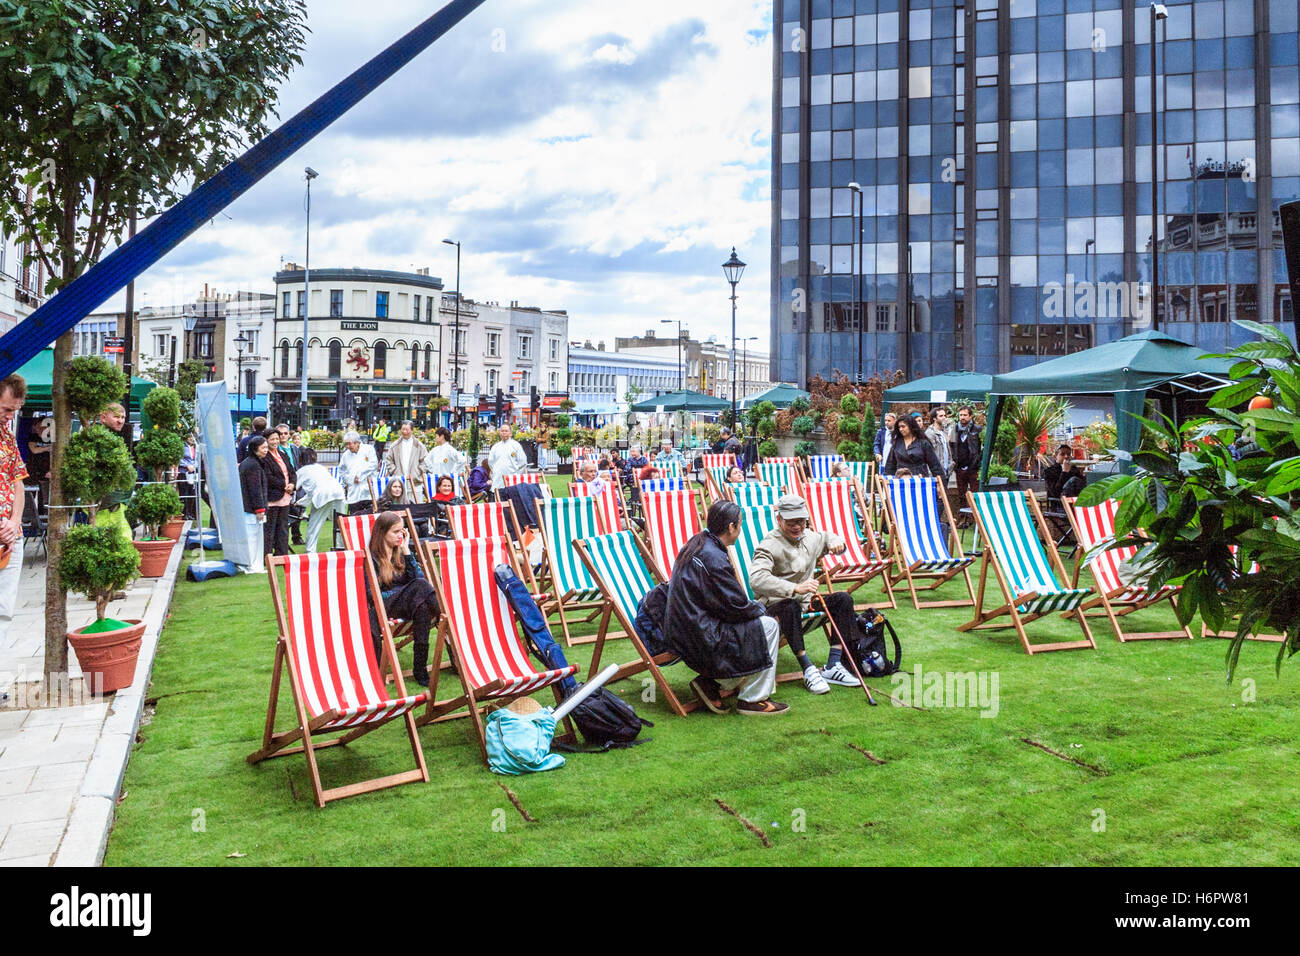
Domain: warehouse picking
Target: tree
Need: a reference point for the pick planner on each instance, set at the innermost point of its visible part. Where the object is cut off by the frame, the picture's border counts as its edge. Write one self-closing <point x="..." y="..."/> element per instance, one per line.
<point x="114" y="109"/>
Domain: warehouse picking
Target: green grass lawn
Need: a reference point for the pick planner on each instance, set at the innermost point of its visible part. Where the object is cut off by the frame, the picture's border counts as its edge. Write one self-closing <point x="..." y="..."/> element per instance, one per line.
<point x="1157" y="762"/>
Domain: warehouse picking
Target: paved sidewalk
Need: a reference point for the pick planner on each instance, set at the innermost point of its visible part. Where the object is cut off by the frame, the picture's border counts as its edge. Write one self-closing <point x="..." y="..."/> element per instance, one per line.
<point x="61" y="768"/>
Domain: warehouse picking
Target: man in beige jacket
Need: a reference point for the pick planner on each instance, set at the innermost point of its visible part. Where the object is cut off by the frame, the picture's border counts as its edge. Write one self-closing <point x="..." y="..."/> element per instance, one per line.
<point x="783" y="578"/>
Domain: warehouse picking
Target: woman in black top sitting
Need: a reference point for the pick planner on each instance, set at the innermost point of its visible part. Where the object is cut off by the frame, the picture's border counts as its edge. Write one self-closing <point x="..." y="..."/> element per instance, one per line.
<point x="392" y="496"/>
<point x="911" y="450"/>
<point x="406" y="593"/>
<point x="444" y="496"/>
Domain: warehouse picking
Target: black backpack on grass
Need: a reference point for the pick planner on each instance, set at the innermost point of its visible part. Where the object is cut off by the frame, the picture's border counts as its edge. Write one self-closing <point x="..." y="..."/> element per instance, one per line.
<point x="607" y="721"/>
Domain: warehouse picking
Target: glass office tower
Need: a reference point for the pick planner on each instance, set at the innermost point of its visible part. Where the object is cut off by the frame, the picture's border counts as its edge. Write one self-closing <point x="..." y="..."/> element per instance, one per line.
<point x="1003" y="150"/>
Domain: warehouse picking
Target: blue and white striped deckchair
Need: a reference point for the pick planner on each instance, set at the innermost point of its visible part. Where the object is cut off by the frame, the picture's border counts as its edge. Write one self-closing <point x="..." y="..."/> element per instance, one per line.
<point x="819" y="466"/>
<point x="378" y="483"/>
<point x="918" y="544"/>
<point x="753" y="495"/>
<point x="663" y="484"/>
<point x="1031" y="582"/>
<point x="625" y="572"/>
<point x="562" y="521"/>
<point x="756" y="523"/>
<point x="457" y="482"/>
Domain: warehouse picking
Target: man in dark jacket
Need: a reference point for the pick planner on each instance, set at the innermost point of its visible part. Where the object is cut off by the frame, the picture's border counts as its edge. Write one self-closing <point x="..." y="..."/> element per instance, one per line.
<point x="966" y="461"/>
<point x="713" y="626"/>
<point x="241" y="449"/>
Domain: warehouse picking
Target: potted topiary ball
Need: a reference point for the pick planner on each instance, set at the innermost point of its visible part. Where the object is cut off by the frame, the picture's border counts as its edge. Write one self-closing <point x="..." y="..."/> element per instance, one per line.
<point x="152" y="506"/>
<point x="96" y="562"/>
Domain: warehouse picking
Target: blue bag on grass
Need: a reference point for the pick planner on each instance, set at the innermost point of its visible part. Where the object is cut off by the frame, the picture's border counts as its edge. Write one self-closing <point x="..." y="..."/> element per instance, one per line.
<point x="521" y="743"/>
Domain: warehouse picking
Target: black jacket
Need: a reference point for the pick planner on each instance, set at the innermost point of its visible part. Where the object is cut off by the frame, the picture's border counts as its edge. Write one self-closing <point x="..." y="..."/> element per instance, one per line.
<point x="1055" y="477"/>
<point x="252" y="482"/>
<point x="967" y="451"/>
<point x="919" y="459"/>
<point x="275" y="482"/>
<point x="711" y="623"/>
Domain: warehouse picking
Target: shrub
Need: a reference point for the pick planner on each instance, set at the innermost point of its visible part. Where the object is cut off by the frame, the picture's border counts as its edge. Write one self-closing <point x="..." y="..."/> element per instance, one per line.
<point x="869" y="428"/>
<point x="1004" y="443"/>
<point x="163" y="406"/>
<point x="850" y="405"/>
<point x="800" y="405"/>
<point x="562" y="421"/>
<point x="152" y="506"/>
<point x="246" y="422"/>
<point x="767" y="448"/>
<point x="473" y="448"/>
<point x="1002" y="471"/>
<point x="563" y="449"/>
<point x="159" y="450"/>
<point x="805" y="448"/>
<point x="851" y="450"/>
<point x="766" y="428"/>
<point x="1100" y="436"/>
<point x="96" y="562"/>
<point x="93" y="383"/>
<point x="802" y="426"/>
<point x="95" y="464"/>
<point x="849" y="428"/>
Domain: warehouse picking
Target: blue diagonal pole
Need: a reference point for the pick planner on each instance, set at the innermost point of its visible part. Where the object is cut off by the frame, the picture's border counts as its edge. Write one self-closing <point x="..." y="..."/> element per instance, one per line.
<point x="102" y="281"/>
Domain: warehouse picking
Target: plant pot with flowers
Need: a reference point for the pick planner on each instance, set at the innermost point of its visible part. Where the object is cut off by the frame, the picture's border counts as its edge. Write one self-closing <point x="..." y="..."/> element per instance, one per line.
<point x="97" y="561"/>
<point x="152" y="506"/>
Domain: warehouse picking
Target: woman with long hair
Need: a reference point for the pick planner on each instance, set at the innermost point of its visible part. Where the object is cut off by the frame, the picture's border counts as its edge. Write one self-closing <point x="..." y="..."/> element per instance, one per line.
<point x="405" y="591"/>
<point x="444" y="496"/>
<point x="912" y="450"/>
<point x="392" y="495"/>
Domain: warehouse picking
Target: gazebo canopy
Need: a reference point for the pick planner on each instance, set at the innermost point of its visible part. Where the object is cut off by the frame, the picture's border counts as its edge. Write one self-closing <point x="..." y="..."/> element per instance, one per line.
<point x="681" y="401"/>
<point x="39" y="373"/>
<point x="971" y="386"/>
<point x="782" y="396"/>
<point x="1127" y="368"/>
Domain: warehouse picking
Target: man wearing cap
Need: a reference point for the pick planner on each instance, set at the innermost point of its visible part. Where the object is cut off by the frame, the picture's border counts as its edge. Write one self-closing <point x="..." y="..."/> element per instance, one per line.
<point x="667" y="453"/>
<point x="782" y="577"/>
<point x="357" y="466"/>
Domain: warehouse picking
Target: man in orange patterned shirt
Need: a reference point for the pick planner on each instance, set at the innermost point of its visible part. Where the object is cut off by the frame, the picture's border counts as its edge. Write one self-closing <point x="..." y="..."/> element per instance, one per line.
<point x="13" y="393"/>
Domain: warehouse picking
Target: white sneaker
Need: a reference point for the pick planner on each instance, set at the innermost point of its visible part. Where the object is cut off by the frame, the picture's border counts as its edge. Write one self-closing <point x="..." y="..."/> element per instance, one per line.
<point x="841" y="675"/>
<point x="813" y="680"/>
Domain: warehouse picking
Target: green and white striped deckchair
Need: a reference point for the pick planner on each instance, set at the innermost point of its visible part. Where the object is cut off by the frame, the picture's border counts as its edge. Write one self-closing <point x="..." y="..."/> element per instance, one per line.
<point x="715" y="481"/>
<point x="1031" y="581"/>
<point x="625" y="571"/>
<point x="562" y="521"/>
<point x="753" y="495"/>
<point x="756" y="523"/>
<point x="781" y="475"/>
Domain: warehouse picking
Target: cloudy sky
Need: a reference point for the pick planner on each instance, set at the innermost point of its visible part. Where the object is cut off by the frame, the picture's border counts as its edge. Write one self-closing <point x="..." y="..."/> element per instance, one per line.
<point x="595" y="156"/>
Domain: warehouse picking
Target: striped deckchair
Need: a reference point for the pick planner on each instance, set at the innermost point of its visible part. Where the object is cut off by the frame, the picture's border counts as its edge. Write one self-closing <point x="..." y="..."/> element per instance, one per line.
<point x="496" y="520"/>
<point x="916" y="506"/>
<point x="716" y="460"/>
<point x="671" y="519"/>
<point x="524" y="478"/>
<point x="670" y="469"/>
<point x="818" y="467"/>
<point x="458" y="482"/>
<point x="1094" y="530"/>
<point x="326" y="647"/>
<point x="783" y="476"/>
<point x="663" y="484"/>
<point x="562" y="522"/>
<point x="356" y="531"/>
<point x="755" y="523"/>
<point x="715" y="482"/>
<point x="611" y="511"/>
<point x="478" y="630"/>
<point x="753" y="495"/>
<point x="830" y="508"/>
<point x="378" y="484"/>
<point x="625" y="572"/>
<point x="1030" y="577"/>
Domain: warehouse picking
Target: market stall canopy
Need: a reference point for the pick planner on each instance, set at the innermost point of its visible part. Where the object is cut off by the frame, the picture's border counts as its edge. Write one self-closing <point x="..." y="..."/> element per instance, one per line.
<point x="968" y="386"/>
<point x="681" y="401"/>
<point x="39" y="373"/>
<point x="782" y="396"/>
<point x="1128" y="368"/>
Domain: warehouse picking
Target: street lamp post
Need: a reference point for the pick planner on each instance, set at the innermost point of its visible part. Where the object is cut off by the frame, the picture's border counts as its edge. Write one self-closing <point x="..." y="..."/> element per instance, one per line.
<point x="744" y="362"/>
<point x="681" y="369"/>
<point x="241" y="341"/>
<point x="858" y="190"/>
<point x="733" y="269"/>
<point x="1158" y="12"/>
<point x="306" y="304"/>
<point x="455" y="339"/>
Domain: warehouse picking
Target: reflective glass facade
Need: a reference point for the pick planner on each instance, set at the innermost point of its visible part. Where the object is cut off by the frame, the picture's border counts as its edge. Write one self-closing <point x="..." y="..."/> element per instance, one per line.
<point x="1003" y="153"/>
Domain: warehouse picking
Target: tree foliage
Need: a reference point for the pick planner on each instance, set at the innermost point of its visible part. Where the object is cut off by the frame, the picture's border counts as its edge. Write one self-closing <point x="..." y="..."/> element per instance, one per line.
<point x="96" y="464"/>
<point x="163" y="406"/>
<point x="152" y="506"/>
<point x="1222" y="497"/>
<point x="96" y="562"/>
<point x="159" y="450"/>
<point x="92" y="384"/>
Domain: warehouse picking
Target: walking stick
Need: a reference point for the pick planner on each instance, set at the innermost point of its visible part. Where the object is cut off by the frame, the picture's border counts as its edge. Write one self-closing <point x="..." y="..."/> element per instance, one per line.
<point x="848" y="652"/>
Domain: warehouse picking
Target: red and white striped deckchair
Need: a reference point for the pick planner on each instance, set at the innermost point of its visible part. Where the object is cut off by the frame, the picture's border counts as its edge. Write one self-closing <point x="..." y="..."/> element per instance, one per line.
<point x="356" y="531"/>
<point x="789" y="476"/>
<point x="525" y="478"/>
<point x="830" y="508"/>
<point x="478" y="630"/>
<point x="326" y="647"/>
<point x="671" y="519"/>
<point x="611" y="510"/>
<point x="717" y="460"/>
<point x="492" y="519"/>
<point x="1094" y="529"/>
<point x="1256" y="636"/>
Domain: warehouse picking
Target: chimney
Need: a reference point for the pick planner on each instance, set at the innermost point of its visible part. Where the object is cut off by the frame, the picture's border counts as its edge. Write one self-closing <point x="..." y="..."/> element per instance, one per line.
<point x="649" y="333"/>
<point x="601" y="346"/>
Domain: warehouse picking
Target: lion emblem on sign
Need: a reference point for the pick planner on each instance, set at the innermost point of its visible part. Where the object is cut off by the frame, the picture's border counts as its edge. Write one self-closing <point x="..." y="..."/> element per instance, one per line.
<point x="358" y="360"/>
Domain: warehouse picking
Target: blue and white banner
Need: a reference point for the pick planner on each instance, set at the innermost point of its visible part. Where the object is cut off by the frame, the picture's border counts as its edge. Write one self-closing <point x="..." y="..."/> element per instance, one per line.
<point x="220" y="471"/>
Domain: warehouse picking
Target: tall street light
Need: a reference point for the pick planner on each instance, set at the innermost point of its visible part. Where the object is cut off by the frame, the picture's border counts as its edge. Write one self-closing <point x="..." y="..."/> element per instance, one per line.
<point x="1158" y="12"/>
<point x="744" y="361"/>
<point x="681" y="369"/>
<point x="455" y="340"/>
<point x="733" y="269"/>
<point x="858" y="190"/>
<point x="310" y="174"/>
<point x="241" y="342"/>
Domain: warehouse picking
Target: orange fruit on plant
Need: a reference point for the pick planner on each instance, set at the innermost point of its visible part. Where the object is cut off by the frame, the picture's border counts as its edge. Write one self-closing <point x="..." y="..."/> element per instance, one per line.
<point x="1260" y="401"/>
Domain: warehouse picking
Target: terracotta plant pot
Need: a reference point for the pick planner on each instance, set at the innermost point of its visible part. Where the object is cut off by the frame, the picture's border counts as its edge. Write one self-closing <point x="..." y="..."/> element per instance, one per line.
<point x="172" y="527"/>
<point x="108" y="658"/>
<point x="154" y="556"/>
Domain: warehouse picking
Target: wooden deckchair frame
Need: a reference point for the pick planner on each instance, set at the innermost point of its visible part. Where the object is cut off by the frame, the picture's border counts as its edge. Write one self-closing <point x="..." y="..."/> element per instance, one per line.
<point x="647" y="661"/>
<point x="1112" y="608"/>
<point x="910" y="572"/>
<point x="857" y="578"/>
<point x="986" y="619"/>
<point x="474" y="699"/>
<point x="557" y="602"/>
<point x="716" y="492"/>
<point x="621" y="504"/>
<point x="651" y="524"/>
<point x="277" y="743"/>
